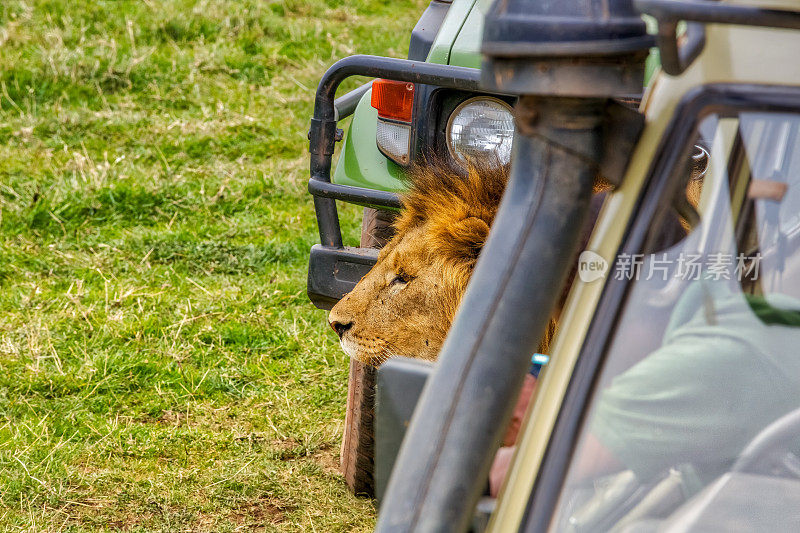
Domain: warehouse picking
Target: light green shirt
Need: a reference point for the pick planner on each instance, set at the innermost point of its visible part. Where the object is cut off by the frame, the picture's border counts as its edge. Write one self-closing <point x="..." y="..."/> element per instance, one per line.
<point x="729" y="365"/>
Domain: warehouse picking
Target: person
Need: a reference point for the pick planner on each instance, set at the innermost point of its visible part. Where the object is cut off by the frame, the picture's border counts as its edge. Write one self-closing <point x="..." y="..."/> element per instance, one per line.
<point x="726" y="369"/>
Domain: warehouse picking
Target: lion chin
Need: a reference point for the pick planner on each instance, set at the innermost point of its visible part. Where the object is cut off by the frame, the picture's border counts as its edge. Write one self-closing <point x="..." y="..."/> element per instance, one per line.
<point x="406" y="303"/>
<point x="353" y="349"/>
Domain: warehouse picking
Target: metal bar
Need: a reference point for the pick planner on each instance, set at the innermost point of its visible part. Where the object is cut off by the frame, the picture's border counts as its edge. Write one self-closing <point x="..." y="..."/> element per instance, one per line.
<point x="330" y="234"/>
<point x="345" y="105"/>
<point x="675" y="59"/>
<point x="717" y="13"/>
<point x="391" y="68"/>
<point x="357" y="195"/>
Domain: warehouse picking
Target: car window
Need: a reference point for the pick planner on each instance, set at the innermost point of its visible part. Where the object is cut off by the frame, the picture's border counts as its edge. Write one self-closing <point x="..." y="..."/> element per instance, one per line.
<point x="694" y="420"/>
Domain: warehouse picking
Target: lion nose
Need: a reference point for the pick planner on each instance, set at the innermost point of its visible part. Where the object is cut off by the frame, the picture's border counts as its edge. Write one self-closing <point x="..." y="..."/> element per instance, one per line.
<point x="340" y="328"/>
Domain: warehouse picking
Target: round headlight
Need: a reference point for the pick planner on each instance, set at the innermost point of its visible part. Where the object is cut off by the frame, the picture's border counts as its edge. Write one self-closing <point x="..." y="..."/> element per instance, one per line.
<point x="481" y="128"/>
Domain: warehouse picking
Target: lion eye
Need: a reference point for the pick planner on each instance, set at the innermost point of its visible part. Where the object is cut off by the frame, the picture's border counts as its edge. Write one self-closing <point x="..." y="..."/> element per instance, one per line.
<point x="401" y="277"/>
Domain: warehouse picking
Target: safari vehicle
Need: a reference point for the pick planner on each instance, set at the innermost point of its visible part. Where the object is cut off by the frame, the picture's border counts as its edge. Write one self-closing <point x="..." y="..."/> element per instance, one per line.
<point x="672" y="399"/>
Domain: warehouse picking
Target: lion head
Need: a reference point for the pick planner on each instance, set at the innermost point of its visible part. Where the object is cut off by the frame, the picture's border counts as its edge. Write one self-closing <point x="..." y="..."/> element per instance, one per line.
<point x="406" y="303"/>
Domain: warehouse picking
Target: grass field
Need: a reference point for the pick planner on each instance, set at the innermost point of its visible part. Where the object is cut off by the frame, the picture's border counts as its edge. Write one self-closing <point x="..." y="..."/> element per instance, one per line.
<point x="161" y="368"/>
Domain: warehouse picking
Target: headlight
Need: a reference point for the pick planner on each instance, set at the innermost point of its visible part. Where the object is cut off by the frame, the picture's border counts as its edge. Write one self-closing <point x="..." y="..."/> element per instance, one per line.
<point x="480" y="128"/>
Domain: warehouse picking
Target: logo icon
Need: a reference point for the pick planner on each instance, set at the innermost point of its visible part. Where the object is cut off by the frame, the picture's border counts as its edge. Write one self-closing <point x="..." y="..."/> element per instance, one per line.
<point x="591" y="267"/>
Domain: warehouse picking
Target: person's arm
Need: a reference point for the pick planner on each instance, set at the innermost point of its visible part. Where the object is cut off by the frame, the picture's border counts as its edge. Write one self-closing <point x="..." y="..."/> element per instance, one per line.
<point x="595" y="460"/>
<point x="499" y="470"/>
<point x="525" y="395"/>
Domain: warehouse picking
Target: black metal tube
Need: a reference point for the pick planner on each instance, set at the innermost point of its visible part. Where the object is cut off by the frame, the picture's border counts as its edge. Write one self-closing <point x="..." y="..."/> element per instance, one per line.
<point x="346" y="104"/>
<point x="391" y="68"/>
<point x="330" y="234"/>
<point x="358" y="195"/>
<point x="675" y="59"/>
<point x="718" y="13"/>
<point x="448" y="450"/>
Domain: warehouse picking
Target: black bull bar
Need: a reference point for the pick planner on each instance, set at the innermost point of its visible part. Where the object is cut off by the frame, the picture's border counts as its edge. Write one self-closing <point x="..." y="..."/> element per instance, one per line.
<point x="334" y="269"/>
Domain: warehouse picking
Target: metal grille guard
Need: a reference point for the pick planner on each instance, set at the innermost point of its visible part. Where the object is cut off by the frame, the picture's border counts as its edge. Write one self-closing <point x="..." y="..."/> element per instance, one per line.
<point x="334" y="269"/>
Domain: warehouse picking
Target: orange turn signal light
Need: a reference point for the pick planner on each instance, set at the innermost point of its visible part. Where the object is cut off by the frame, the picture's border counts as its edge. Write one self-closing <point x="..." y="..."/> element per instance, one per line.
<point x="393" y="99"/>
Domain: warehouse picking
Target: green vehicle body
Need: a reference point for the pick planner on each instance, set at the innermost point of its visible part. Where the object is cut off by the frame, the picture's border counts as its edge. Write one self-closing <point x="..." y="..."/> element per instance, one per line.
<point x="360" y="162"/>
<point x="457" y="43"/>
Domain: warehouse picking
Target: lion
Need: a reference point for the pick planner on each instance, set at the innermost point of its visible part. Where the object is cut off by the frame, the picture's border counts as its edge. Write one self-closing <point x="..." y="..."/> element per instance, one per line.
<point x="405" y="305"/>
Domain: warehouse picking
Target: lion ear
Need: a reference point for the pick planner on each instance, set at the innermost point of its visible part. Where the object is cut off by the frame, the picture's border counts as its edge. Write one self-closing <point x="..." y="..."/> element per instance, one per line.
<point x="466" y="237"/>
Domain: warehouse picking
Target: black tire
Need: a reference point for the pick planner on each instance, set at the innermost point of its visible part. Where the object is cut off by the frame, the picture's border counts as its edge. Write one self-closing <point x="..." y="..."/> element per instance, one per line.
<point x="358" y="442"/>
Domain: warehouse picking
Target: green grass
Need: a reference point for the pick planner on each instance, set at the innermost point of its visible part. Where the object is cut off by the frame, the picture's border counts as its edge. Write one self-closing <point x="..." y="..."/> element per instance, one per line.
<point x="161" y="368"/>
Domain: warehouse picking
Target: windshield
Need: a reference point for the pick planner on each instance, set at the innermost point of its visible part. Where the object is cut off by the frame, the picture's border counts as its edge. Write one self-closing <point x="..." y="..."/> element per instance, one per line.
<point x="694" y="420"/>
